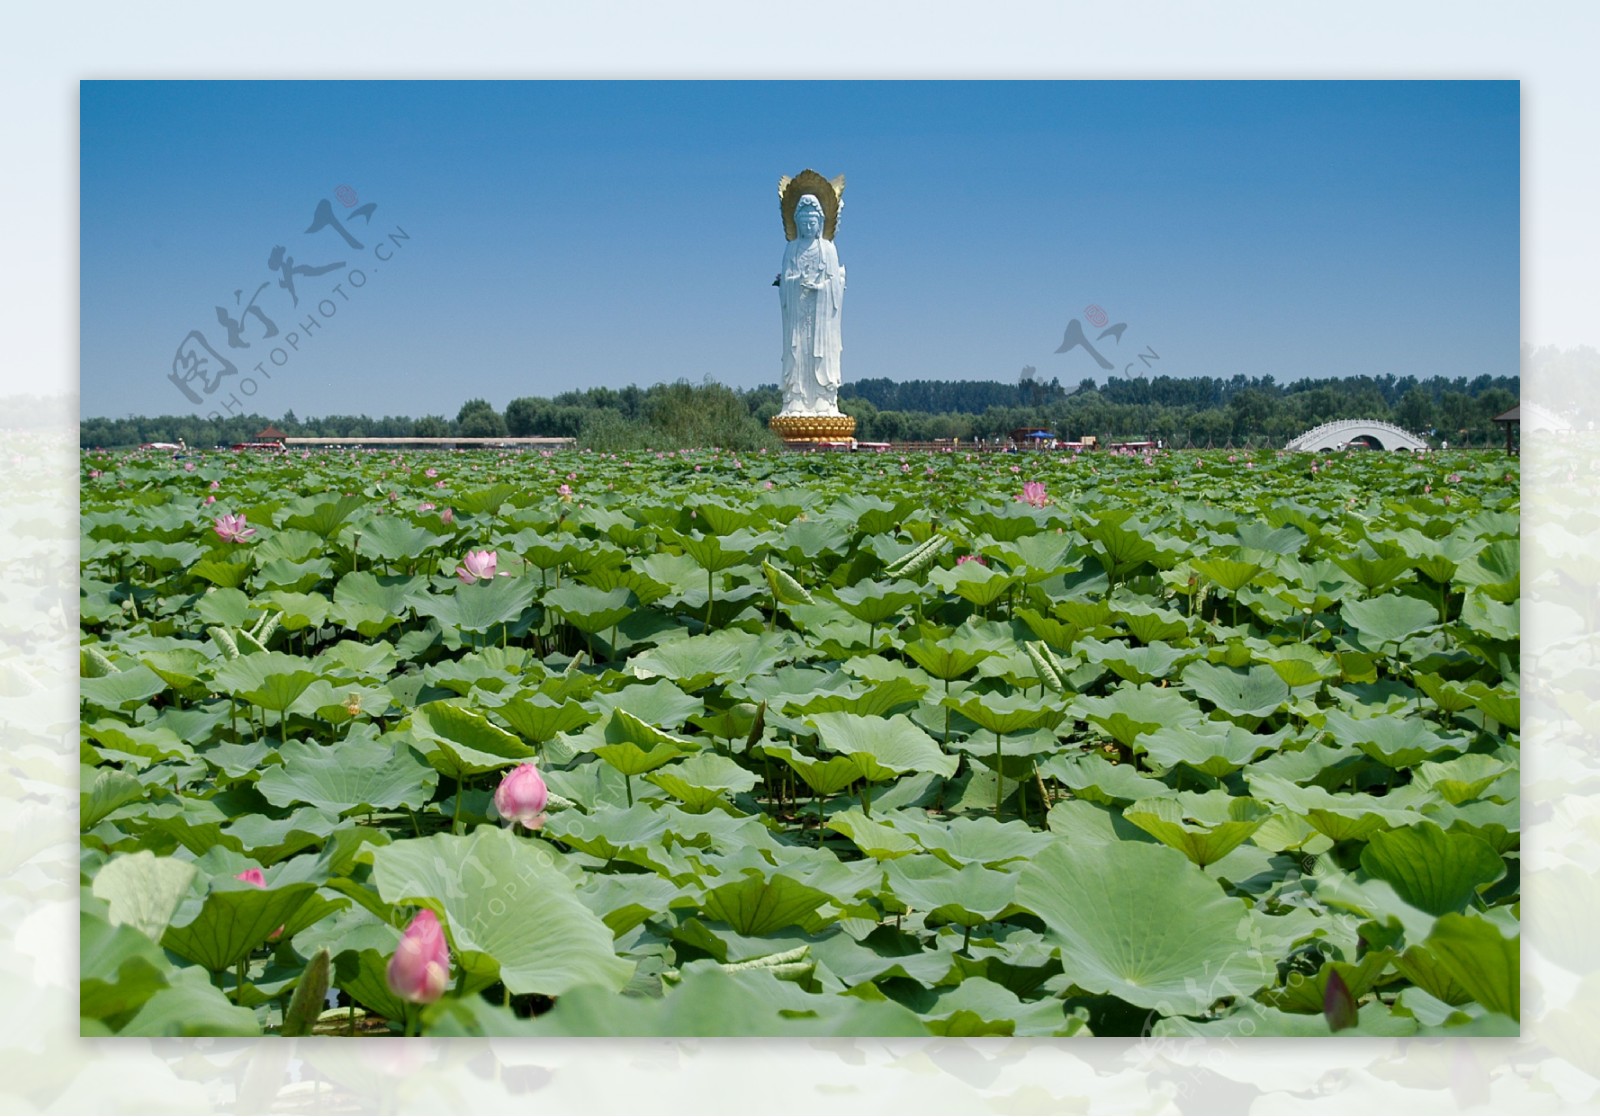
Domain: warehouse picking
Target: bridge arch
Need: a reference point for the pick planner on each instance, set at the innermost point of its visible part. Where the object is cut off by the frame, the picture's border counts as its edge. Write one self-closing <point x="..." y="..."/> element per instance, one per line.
<point x="1374" y="432"/>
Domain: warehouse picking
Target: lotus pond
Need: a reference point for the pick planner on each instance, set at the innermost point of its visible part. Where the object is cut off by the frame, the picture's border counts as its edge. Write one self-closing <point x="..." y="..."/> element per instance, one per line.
<point x="1195" y="744"/>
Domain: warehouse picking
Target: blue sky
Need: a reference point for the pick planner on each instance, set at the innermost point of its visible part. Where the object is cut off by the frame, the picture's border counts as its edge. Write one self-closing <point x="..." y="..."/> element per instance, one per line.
<point x="567" y="234"/>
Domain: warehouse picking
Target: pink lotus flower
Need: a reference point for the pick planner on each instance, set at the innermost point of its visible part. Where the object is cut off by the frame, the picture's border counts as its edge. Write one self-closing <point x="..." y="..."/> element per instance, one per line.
<point x="476" y="565"/>
<point x="215" y="485"/>
<point x="1033" y="493"/>
<point x="979" y="559"/>
<point x="448" y="515"/>
<point x="522" y="796"/>
<point x="1454" y="479"/>
<point x="231" y="528"/>
<point x="564" y="492"/>
<point x="188" y="467"/>
<point x="430" y="472"/>
<point x="425" y="507"/>
<point x="419" y="972"/>
<point x="209" y="500"/>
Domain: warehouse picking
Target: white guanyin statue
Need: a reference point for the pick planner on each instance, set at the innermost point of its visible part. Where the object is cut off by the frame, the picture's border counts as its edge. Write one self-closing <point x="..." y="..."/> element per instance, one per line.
<point x="811" y="293"/>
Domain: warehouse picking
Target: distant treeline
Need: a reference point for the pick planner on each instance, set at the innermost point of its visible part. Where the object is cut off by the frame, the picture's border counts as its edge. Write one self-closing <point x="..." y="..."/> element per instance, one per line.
<point x="1200" y="411"/>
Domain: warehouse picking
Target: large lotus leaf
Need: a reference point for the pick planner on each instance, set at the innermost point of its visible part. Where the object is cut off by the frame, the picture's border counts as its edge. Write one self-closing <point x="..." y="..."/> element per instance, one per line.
<point x="967" y="897"/>
<point x="701" y="781"/>
<point x="394" y="540"/>
<point x="1389" y="619"/>
<point x="191" y="1006"/>
<point x="948" y="658"/>
<point x="1141" y="922"/>
<point x="612" y="833"/>
<point x="1202" y="840"/>
<point x="589" y="609"/>
<point x="234" y="918"/>
<point x="228" y="574"/>
<point x="270" y="840"/>
<point x="461" y="742"/>
<point x="659" y="703"/>
<point x="504" y="896"/>
<point x="1461" y="779"/>
<point x="1137" y="665"/>
<point x="143" y="890"/>
<point x="1502" y="703"/>
<point x="876" y="602"/>
<point x="1342" y="816"/>
<point x="321" y="514"/>
<point x="122" y="690"/>
<point x="1249" y="1018"/>
<point x="1373" y="570"/>
<point x="1037" y="557"/>
<point x="149" y="742"/>
<point x="873" y="838"/>
<point x="1128" y="711"/>
<point x="119" y="967"/>
<point x="634" y="747"/>
<point x="482" y="606"/>
<point x="982" y="585"/>
<point x="1418" y="965"/>
<point x="1485" y="962"/>
<point x="1228" y="573"/>
<point x="714" y="553"/>
<point x="980" y="1007"/>
<point x="880" y="701"/>
<point x="180" y="668"/>
<point x="352" y="775"/>
<point x="882" y="747"/>
<point x="1148" y="623"/>
<point x="974" y="839"/>
<point x="709" y="1001"/>
<point x="1254" y="693"/>
<point x="107" y="789"/>
<point x="1003" y="713"/>
<point x="827" y="776"/>
<point x="297" y="610"/>
<point x="1215" y="748"/>
<point x="391" y="597"/>
<point x="1495" y="569"/>
<point x="1430" y="868"/>
<point x="539" y="718"/>
<point x="756" y="904"/>
<point x="1300" y="664"/>
<point x="1398" y="742"/>
<point x="1098" y="780"/>
<point x="1120" y="550"/>
<point x="271" y="680"/>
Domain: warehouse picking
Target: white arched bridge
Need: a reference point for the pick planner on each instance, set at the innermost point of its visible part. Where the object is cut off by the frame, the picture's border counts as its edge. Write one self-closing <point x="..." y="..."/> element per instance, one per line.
<point x="1376" y="434"/>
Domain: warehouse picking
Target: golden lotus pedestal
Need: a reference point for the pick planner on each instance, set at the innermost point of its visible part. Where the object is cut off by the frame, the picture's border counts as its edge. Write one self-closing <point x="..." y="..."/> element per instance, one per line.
<point x="813" y="428"/>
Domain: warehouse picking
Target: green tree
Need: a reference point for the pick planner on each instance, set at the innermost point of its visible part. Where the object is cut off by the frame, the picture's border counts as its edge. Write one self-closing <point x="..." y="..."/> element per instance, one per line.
<point x="479" y="419"/>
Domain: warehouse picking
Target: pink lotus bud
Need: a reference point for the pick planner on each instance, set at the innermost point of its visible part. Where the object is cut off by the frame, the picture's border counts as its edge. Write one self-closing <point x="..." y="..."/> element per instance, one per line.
<point x="522" y="795"/>
<point x="1033" y="493"/>
<point x="448" y="515"/>
<point x="419" y="972"/>
<point x="215" y="485"/>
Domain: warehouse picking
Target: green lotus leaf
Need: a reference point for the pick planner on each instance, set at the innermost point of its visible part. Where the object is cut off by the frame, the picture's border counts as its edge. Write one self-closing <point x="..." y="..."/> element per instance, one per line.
<point x="873" y="838"/>
<point x="503" y="896"/>
<point x="1373" y="571"/>
<point x="701" y="781"/>
<point x="756" y="904"/>
<point x="974" y="839"/>
<point x="968" y="897"/>
<point x="875" y="602"/>
<point x="589" y="609"/>
<point x="1141" y="922"/>
<point x="1000" y="713"/>
<point x="1399" y="742"/>
<point x="972" y="581"/>
<point x="143" y="890"/>
<point x="135" y="686"/>
<point x="1228" y="573"/>
<point x="1137" y="665"/>
<point x="1216" y="748"/>
<point x="297" y="610"/>
<point x="148" y="742"/>
<point x="271" y="680"/>
<point x="1129" y="711"/>
<point x="1461" y="779"/>
<point x="1485" y="962"/>
<point x="1098" y="780"/>
<point x="1255" y="693"/>
<point x="659" y="703"/>
<point x="351" y="776"/>
<point x="394" y="540"/>
<point x="234" y="918"/>
<point x="539" y="718"/>
<point x="480" y="607"/>
<point x="882" y="747"/>
<point x="459" y="742"/>
<point x="104" y="790"/>
<point x="1430" y="868"/>
<point x="827" y="776"/>
<point x="1389" y="619"/>
<point x="1203" y="840"/>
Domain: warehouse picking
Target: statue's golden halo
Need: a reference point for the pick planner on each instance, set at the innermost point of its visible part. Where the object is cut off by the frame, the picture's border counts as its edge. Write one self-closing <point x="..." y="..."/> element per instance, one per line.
<point x="829" y="193"/>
